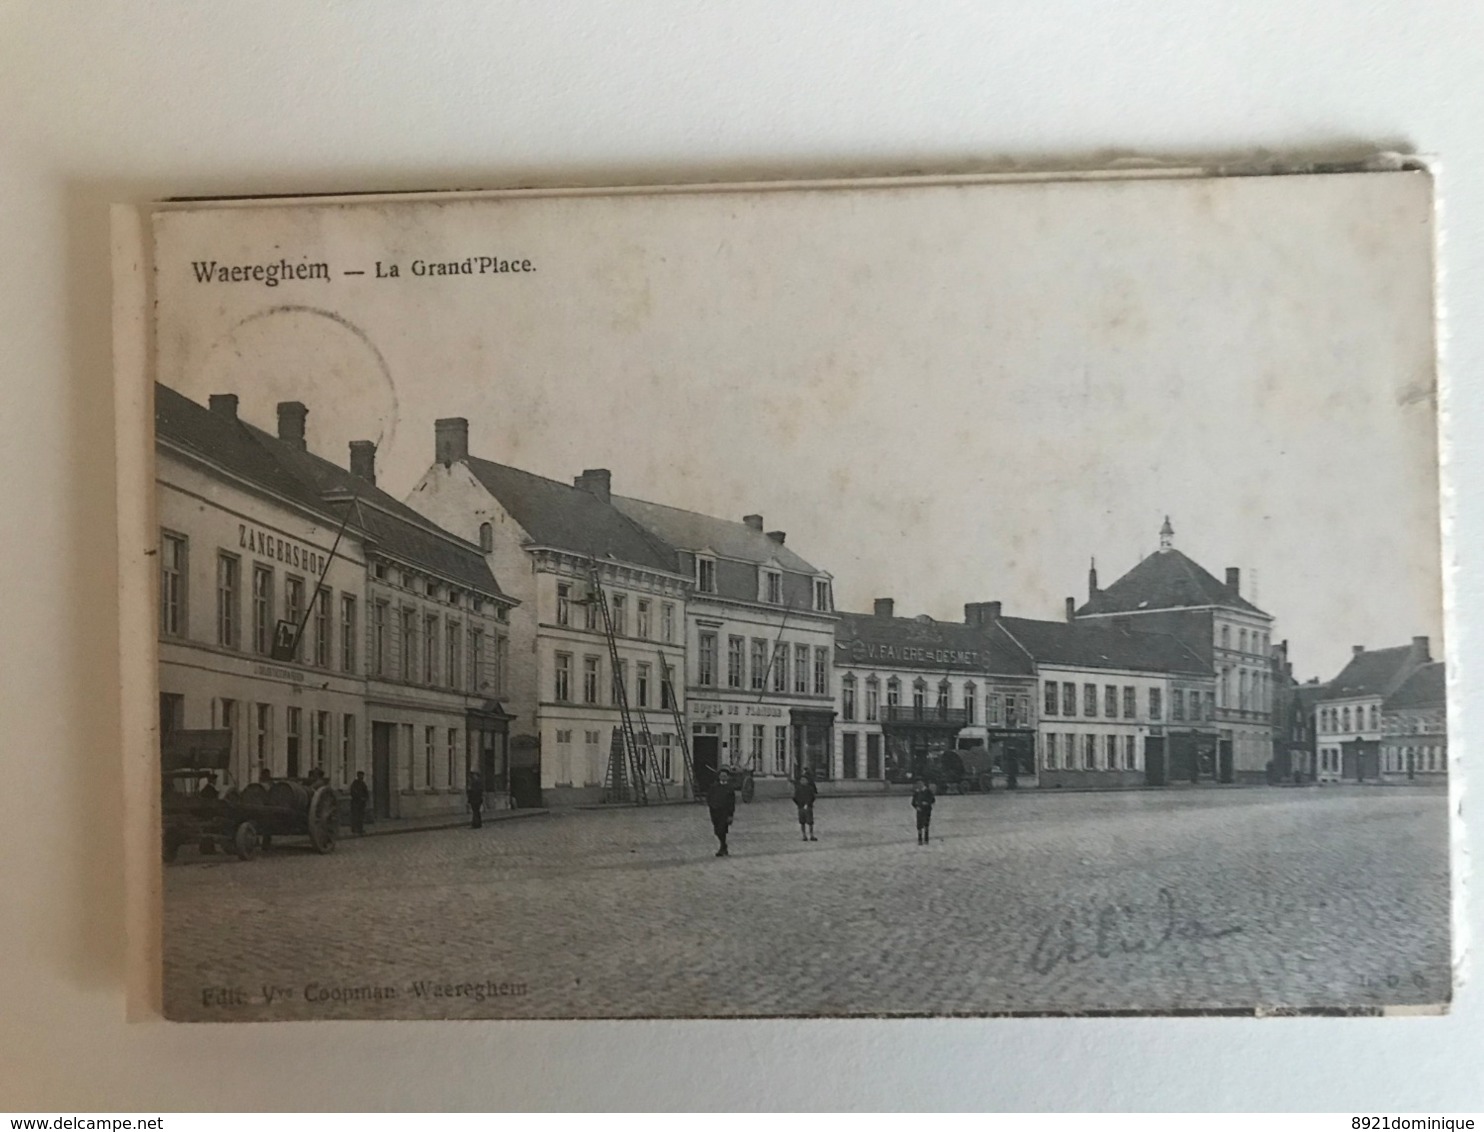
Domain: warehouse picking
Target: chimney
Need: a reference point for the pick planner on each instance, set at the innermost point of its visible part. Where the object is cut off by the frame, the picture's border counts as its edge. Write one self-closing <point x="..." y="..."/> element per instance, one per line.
<point x="1422" y="647"/>
<point x="1092" y="580"/>
<point x="363" y="460"/>
<point x="224" y="403"/>
<point x="777" y="536"/>
<point x="981" y="613"/>
<point x="1356" y="650"/>
<point x="1234" y="580"/>
<point x="754" y="522"/>
<point x="595" y="481"/>
<point x="450" y="440"/>
<point x="884" y="606"/>
<point x="1071" y="609"/>
<point x="291" y="416"/>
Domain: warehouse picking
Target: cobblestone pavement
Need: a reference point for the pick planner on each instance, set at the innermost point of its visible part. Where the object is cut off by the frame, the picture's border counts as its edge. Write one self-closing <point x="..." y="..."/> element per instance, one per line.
<point x="1193" y="899"/>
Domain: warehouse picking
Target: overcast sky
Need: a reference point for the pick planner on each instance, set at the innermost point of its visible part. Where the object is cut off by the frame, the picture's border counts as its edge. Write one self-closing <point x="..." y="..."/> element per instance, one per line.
<point x="951" y="394"/>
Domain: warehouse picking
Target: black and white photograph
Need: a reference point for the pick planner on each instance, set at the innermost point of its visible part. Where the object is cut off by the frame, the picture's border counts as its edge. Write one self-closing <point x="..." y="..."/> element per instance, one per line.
<point x="958" y="596"/>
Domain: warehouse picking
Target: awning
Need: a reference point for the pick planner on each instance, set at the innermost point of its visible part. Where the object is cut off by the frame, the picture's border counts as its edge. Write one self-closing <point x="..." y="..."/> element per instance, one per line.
<point x="812" y="717"/>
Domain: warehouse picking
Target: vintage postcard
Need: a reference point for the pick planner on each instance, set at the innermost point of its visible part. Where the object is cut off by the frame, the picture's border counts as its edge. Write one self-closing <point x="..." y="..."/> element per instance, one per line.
<point x="957" y="596"/>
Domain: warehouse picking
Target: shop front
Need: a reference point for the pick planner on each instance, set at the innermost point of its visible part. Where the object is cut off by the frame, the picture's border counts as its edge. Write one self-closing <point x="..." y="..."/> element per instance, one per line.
<point x="813" y="740"/>
<point x="918" y="741"/>
<point x="488" y="734"/>
<point x="1196" y="757"/>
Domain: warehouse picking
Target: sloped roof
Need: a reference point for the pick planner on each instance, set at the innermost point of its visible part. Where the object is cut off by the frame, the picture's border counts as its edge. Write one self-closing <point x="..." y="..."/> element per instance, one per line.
<point x="321" y="486"/>
<point x="571" y="518"/>
<point x="864" y="638"/>
<point x="690" y="530"/>
<point x="1166" y="579"/>
<point x="1425" y="688"/>
<point x="1081" y="644"/>
<point x="1308" y="695"/>
<point x="1375" y="672"/>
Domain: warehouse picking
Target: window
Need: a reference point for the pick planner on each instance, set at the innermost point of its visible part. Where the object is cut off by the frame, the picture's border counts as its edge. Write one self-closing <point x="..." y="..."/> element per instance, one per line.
<point x="893" y="695"/>
<point x="589" y="679"/>
<point x="667" y="749"/>
<point x="1090" y="701"/>
<point x="409" y="644"/>
<point x="172" y="585"/>
<point x="1345" y="719"/>
<point x="476" y="659"/>
<point x="1243" y="699"/>
<point x="1110" y="747"/>
<point x="873" y="756"/>
<point x="564" y="603"/>
<point x="1049" y="707"/>
<point x="293" y="733"/>
<point x="969" y="704"/>
<point x="1110" y="701"/>
<point x="919" y="697"/>
<point x="667" y="623"/>
<point x="1069" y="699"/>
<point x="706" y="661"/>
<point x="293" y="611"/>
<point x="319" y="736"/>
<point x="1375" y="718"/>
<point x="1156" y="705"/>
<point x="347" y="748"/>
<point x="486" y="537"/>
<point x="408" y="733"/>
<point x="772" y="587"/>
<point x="347" y="633"/>
<point x="620" y="615"/>
<point x="228" y="597"/>
<point x="642" y="616"/>
<point x="734" y="743"/>
<point x="1242" y="641"/>
<point x="850" y="755"/>
<point x="1226" y="636"/>
<point x="262" y="609"/>
<point x="322" y="627"/>
<point x="1089" y="752"/>
<point x="453" y="757"/>
<point x="759" y="740"/>
<point x="706" y="575"/>
<point x="262" y="736"/>
<point x="996" y="711"/>
<point x="801" y="669"/>
<point x="1177" y="704"/>
<point x="1210" y="705"/>
<point x="945" y="694"/>
<point x="667" y="687"/>
<point x="821" y="672"/>
<point x="822" y="599"/>
<point x="430" y="746"/>
<point x="641" y="685"/>
<point x="736" y="661"/>
<point x="873" y="699"/>
<point x="780" y="750"/>
<point x="1023" y="712"/>
<point x="1130" y="703"/>
<point x="847" y="701"/>
<point x="1130" y="757"/>
<point x="619" y="692"/>
<point x="1050" y="749"/>
<point x="759" y="663"/>
<point x="430" y="648"/>
<point x="562" y="689"/>
<point x="780" y="667"/>
<point x="563" y="769"/>
<point x="380" y="614"/>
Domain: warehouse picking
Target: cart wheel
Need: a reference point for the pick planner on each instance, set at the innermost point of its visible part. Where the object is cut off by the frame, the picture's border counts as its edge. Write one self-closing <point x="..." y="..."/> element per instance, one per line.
<point x="207" y="846"/>
<point x="749" y="788"/>
<point x="323" y="819"/>
<point x="986" y="782"/>
<point x="170" y="848"/>
<point x="245" y="840"/>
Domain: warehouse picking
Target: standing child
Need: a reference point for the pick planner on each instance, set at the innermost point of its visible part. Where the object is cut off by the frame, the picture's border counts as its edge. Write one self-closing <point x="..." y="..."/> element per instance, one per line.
<point x="804" y="794"/>
<point x="721" y="800"/>
<point x="922" y="801"/>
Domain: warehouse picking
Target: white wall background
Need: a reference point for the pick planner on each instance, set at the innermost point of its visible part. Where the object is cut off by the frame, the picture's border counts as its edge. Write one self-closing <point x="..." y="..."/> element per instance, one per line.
<point x="115" y="101"/>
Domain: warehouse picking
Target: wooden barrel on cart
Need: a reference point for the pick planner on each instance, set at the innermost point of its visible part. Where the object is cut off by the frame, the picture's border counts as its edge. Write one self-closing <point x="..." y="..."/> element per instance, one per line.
<point x="286" y="795"/>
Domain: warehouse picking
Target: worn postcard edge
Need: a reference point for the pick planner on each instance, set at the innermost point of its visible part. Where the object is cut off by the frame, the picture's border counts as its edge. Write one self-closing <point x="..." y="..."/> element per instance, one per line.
<point x="133" y="328"/>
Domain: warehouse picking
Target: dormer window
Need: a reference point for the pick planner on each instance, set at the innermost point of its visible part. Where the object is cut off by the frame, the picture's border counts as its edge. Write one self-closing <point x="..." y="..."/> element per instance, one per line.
<point x="706" y="575"/>
<point x="822" y="595"/>
<point x="772" y="587"/>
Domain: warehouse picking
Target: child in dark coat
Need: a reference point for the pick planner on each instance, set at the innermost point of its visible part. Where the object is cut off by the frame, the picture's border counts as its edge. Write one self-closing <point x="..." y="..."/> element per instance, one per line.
<point x="922" y="801"/>
<point x="804" y="794"/>
<point x="721" y="800"/>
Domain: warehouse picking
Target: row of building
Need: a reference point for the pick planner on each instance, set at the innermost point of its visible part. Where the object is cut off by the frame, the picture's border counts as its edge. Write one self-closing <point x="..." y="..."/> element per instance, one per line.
<point x="323" y="622"/>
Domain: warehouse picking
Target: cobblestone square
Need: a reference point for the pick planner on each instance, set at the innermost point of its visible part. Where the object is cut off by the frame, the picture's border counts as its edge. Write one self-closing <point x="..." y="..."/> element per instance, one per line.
<point x="1036" y="901"/>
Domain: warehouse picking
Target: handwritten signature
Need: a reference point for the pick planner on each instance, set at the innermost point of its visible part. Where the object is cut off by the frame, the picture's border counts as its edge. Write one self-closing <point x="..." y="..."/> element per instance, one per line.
<point x="1106" y="930"/>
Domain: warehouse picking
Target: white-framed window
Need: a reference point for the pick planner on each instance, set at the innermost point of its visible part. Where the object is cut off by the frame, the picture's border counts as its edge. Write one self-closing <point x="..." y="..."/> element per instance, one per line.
<point x="759" y="741"/>
<point x="381" y="613"/>
<point x="873" y="698"/>
<point x="1130" y="753"/>
<point x="641" y="616"/>
<point x="970" y="703"/>
<point x="1111" y="749"/>
<point x="736" y="661"/>
<point x="347" y="748"/>
<point x="262" y="608"/>
<point x="705" y="575"/>
<point x="772" y="587"/>
<point x="893" y="695"/>
<point x="322" y="632"/>
<point x="759" y="664"/>
<point x="1049" y="707"/>
<point x="641" y="685"/>
<point x="780" y="750"/>
<point x="667" y="623"/>
<point x="562" y="685"/>
<point x="430" y="752"/>
<point x="564" y="603"/>
<point x="821" y="671"/>
<point x="590" y="679"/>
<point x="409" y="644"/>
<point x="780" y="667"/>
<point x="801" y="669"/>
<point x="994" y="703"/>
<point x="293" y="736"/>
<point x="847" y="699"/>
<point x="293" y="609"/>
<point x="706" y="660"/>
<point x="822" y="595"/>
<point x="347" y="633"/>
<point x="320" y="740"/>
<point x="1110" y="701"/>
<point x="228" y="600"/>
<point x="262" y="736"/>
<point x="620" y="615"/>
<point x="619" y="691"/>
<point x="945" y="696"/>
<point x="1089" y="752"/>
<point x="1049" y="745"/>
<point x="734" y="743"/>
<point x="173" y="574"/>
<point x="1090" y="701"/>
<point x="1156" y="704"/>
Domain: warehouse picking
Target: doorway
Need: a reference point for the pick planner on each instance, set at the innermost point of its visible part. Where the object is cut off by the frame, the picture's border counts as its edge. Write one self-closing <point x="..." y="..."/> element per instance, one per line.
<point x="381" y="769"/>
<point x="707" y="751"/>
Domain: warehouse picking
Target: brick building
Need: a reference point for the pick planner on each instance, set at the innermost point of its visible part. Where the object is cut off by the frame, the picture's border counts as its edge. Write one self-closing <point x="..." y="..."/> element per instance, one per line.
<point x="1414" y="727"/>
<point x="1350" y="728"/>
